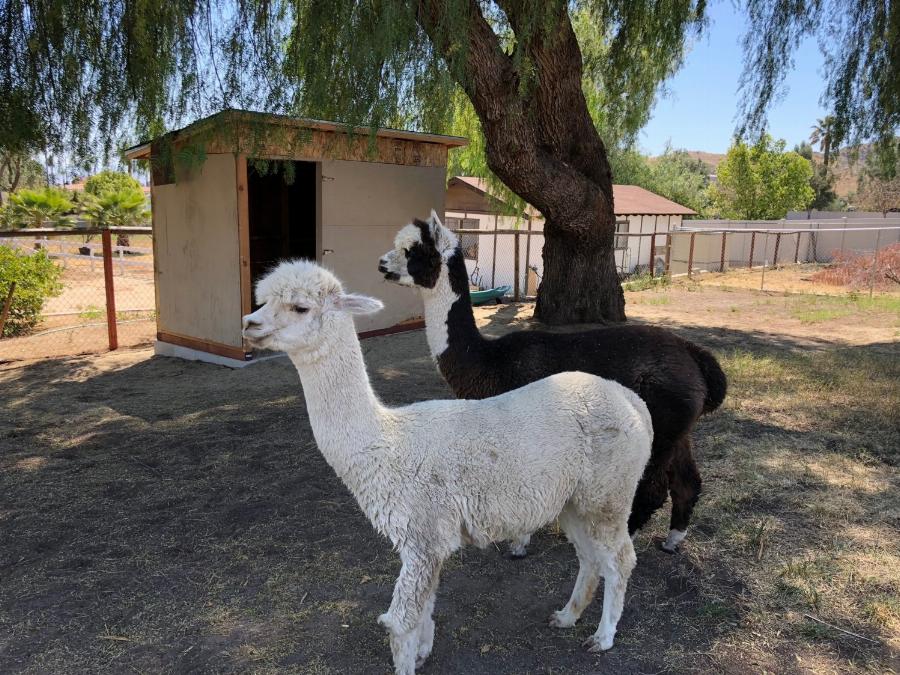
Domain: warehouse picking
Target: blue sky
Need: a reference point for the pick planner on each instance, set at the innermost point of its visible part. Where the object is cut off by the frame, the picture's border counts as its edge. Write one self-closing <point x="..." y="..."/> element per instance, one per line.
<point x="700" y="111"/>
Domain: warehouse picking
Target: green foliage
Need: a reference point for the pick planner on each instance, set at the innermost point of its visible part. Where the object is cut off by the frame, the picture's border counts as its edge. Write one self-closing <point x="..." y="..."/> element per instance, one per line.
<point x="49" y="207"/>
<point x="117" y="208"/>
<point x="18" y="170"/>
<point x="37" y="278"/>
<point x="761" y="181"/>
<point x="110" y="181"/>
<point x="861" y="72"/>
<point x="879" y="181"/>
<point x="683" y="179"/>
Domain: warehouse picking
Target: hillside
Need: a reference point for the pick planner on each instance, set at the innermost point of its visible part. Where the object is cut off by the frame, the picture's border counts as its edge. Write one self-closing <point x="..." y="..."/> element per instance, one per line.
<point x="846" y="173"/>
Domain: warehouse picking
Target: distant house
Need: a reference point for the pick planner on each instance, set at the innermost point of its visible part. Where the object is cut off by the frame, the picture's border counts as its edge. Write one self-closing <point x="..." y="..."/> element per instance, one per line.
<point x="469" y="204"/>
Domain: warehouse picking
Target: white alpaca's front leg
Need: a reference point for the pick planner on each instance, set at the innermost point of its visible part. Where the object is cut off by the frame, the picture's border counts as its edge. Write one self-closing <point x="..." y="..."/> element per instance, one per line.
<point x="426" y="632"/>
<point x="519" y="547"/>
<point x="414" y="588"/>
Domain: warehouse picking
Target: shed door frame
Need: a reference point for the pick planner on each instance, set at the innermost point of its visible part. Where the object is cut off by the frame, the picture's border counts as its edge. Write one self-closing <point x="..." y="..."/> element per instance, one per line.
<point x="243" y="204"/>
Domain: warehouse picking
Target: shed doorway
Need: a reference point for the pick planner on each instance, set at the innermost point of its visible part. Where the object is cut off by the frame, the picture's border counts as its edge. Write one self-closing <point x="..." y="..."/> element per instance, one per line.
<point x="281" y="215"/>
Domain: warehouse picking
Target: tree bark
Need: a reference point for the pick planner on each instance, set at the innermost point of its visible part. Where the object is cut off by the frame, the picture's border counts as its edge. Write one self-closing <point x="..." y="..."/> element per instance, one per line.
<point x="541" y="142"/>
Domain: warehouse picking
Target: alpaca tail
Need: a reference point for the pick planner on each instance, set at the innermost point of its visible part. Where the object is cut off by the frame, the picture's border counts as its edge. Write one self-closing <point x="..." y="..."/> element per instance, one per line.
<point x="716" y="382"/>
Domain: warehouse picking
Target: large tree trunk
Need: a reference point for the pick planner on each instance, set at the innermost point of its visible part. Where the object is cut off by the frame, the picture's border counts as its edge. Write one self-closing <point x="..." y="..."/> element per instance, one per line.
<point x="540" y="141"/>
<point x="580" y="281"/>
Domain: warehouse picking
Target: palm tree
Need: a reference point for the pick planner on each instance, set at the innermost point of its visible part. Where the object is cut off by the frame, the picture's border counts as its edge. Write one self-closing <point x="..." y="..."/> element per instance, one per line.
<point x="117" y="208"/>
<point x="823" y="134"/>
<point x="38" y="208"/>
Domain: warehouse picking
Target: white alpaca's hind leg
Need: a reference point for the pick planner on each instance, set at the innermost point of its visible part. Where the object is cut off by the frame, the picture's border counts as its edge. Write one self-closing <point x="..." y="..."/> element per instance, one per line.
<point x="616" y="564"/>
<point x="519" y="547"/>
<point x="426" y="632"/>
<point x="588" y="572"/>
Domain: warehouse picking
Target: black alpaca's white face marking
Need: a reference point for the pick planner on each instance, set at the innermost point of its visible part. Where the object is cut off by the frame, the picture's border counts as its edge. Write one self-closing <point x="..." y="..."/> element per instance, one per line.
<point x="418" y="254"/>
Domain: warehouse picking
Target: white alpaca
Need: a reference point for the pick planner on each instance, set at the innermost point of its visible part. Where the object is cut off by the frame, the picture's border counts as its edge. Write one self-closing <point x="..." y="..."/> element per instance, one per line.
<point x="437" y="475"/>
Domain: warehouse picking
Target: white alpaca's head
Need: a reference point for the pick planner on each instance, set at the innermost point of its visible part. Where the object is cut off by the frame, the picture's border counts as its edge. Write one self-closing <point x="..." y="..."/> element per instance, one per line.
<point x="302" y="307"/>
<point x="420" y="249"/>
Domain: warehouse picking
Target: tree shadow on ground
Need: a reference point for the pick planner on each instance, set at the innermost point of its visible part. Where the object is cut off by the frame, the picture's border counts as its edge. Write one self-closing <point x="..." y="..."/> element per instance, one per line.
<point x="178" y="516"/>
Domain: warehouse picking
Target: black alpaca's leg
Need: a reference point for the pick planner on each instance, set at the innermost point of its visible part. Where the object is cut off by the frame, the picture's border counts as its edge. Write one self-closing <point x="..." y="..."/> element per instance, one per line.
<point x="684" y="486"/>
<point x="650" y="493"/>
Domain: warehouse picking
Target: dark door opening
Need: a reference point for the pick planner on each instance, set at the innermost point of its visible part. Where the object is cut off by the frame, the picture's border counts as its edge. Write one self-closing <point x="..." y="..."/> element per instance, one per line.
<point x="282" y="216"/>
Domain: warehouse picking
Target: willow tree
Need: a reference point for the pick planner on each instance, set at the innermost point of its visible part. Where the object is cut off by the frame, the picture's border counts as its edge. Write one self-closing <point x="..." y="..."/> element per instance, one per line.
<point x="539" y="77"/>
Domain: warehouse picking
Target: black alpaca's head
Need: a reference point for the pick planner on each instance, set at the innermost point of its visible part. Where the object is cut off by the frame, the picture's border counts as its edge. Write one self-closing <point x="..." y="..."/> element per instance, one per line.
<point x="419" y="250"/>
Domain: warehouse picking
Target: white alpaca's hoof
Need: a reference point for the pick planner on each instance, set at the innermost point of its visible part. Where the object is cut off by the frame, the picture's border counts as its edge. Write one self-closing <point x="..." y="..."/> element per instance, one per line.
<point x="597" y="643"/>
<point x="387" y="621"/>
<point x="562" y="619"/>
<point x="423" y="653"/>
<point x="518" y="551"/>
<point x="673" y="541"/>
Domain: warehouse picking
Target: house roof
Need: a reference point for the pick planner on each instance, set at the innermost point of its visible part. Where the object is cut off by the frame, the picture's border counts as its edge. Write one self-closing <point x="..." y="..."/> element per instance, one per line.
<point x="632" y="200"/>
<point x="628" y="200"/>
<point x="142" y="150"/>
<point x="78" y="185"/>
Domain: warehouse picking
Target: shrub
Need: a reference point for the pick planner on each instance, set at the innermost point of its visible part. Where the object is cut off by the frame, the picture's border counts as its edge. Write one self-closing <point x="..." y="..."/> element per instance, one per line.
<point x="37" y="278"/>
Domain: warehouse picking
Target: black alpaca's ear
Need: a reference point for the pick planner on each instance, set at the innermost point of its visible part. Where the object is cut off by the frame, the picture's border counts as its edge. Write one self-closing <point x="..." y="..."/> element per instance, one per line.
<point x="434" y="220"/>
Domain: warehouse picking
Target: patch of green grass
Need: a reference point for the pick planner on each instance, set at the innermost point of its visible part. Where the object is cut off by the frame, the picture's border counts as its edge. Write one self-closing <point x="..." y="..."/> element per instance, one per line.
<point x="91" y="312"/>
<point x="645" y="282"/>
<point x="817" y="309"/>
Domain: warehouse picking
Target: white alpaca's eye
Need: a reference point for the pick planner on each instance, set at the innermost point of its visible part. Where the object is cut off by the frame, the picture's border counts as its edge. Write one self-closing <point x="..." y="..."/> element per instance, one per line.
<point x="300" y="309"/>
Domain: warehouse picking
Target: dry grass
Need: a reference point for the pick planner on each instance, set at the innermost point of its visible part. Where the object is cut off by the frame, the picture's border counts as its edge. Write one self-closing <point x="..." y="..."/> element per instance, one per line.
<point x="165" y="516"/>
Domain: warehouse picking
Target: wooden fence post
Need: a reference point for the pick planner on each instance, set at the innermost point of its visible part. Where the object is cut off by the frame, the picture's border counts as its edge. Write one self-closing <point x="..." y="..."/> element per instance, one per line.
<point x="775" y="254"/>
<point x="516" y="267"/>
<point x="653" y="251"/>
<point x="111" y="327"/>
<point x="6" y="305"/>
<point x="691" y="255"/>
<point x="722" y="258"/>
<point x="752" y="244"/>
<point x="797" y="250"/>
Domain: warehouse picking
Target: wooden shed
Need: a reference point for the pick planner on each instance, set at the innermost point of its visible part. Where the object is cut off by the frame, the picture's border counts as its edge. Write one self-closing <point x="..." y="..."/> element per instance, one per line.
<point x="222" y="220"/>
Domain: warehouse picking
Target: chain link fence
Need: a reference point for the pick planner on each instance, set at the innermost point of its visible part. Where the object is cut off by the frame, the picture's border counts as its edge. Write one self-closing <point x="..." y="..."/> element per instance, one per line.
<point x="810" y="258"/>
<point x="94" y="291"/>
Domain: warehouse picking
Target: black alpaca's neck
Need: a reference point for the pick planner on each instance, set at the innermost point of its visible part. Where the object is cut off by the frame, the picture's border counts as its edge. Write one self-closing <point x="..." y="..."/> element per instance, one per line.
<point x="462" y="332"/>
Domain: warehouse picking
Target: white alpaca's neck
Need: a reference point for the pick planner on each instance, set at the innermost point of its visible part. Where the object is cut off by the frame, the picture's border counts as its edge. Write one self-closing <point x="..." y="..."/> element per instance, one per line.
<point x="345" y="414"/>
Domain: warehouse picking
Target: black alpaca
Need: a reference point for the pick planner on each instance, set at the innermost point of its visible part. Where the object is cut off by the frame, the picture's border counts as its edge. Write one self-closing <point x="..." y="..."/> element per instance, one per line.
<point x="678" y="380"/>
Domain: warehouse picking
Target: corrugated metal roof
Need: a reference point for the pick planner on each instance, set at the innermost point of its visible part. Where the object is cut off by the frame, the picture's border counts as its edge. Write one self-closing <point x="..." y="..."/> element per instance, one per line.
<point x="629" y="200"/>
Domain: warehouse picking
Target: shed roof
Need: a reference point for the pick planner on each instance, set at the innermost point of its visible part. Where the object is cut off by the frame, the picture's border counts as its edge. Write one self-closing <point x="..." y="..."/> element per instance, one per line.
<point x="230" y="115"/>
<point x="629" y="200"/>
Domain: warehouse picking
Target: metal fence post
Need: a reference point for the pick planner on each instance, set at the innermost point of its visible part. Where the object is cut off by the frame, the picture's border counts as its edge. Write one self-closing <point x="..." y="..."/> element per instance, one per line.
<point x="110" y="292"/>
<point x="516" y="267"/>
<point x="874" y="263"/>
<point x="691" y="254"/>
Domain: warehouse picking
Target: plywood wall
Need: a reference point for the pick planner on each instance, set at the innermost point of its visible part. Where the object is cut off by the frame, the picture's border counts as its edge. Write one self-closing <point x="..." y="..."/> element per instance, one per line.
<point x="197" y="258"/>
<point x="364" y="204"/>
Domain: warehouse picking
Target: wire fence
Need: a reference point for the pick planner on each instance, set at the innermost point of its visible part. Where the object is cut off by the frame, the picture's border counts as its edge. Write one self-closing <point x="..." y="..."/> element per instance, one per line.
<point x="103" y="299"/>
<point x="830" y="259"/>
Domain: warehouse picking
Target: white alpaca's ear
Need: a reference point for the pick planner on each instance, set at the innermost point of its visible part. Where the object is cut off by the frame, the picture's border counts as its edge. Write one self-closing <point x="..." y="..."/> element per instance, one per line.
<point x="357" y="304"/>
<point x="435" y="220"/>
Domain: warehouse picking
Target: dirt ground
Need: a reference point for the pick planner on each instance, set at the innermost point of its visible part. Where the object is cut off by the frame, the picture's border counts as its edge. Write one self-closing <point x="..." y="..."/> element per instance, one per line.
<point x="164" y="516"/>
<point x="786" y="279"/>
